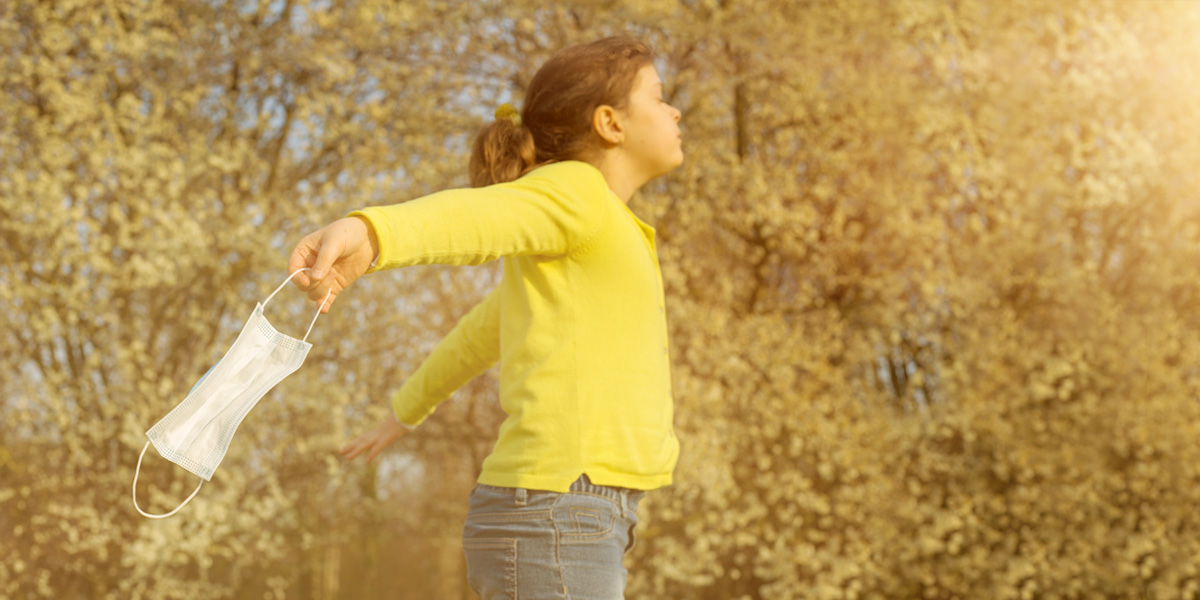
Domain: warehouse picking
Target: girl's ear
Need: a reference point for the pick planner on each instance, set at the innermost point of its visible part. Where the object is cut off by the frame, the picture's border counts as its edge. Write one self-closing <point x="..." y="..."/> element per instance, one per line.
<point x="606" y="121"/>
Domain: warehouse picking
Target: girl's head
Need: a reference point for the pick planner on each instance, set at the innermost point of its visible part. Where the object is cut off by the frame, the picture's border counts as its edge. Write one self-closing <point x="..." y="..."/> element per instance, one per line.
<point x="586" y="99"/>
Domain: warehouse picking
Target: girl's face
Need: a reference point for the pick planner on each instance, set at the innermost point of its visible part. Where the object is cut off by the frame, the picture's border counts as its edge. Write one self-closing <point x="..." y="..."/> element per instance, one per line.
<point x="652" y="137"/>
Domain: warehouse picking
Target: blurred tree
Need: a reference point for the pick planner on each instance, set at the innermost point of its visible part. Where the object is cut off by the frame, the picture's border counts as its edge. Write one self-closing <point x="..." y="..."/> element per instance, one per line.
<point x="928" y="267"/>
<point x="159" y="159"/>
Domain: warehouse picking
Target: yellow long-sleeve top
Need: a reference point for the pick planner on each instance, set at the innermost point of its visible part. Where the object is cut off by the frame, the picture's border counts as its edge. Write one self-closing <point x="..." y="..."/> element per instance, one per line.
<point x="578" y="324"/>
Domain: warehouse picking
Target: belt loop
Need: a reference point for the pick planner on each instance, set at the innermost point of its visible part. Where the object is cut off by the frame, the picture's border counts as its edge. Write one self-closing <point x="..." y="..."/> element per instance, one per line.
<point x="522" y="496"/>
<point x="624" y="502"/>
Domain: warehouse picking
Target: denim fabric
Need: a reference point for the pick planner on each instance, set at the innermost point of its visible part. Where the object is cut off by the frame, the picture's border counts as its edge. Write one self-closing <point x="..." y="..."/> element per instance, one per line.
<point x="535" y="545"/>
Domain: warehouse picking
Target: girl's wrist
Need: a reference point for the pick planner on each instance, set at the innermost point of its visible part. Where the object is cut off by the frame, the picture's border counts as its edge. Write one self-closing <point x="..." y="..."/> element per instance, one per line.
<point x="369" y="233"/>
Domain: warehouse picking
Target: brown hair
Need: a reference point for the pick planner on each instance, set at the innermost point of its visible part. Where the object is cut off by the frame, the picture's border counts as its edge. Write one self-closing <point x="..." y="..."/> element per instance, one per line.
<point x="556" y="121"/>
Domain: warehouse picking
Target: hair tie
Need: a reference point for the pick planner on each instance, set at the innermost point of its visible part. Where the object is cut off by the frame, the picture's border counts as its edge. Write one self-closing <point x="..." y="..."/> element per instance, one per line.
<point x="508" y="111"/>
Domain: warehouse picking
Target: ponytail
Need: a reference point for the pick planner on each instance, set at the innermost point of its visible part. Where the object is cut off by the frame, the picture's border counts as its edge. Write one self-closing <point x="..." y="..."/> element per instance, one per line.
<point x="503" y="151"/>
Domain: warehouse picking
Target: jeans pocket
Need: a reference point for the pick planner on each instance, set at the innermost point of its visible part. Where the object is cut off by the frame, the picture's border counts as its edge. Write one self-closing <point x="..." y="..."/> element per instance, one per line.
<point x="492" y="567"/>
<point x="583" y="518"/>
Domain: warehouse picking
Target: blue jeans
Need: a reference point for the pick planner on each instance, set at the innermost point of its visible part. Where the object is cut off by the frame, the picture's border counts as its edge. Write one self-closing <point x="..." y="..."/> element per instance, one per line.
<point x="534" y="544"/>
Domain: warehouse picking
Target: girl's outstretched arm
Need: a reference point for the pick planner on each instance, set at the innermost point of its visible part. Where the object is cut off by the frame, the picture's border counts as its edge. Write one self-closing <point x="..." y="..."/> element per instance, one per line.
<point x="552" y="211"/>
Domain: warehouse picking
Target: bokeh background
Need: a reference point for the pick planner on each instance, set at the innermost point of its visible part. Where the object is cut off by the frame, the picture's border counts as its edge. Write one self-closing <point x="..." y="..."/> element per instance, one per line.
<point x="930" y="271"/>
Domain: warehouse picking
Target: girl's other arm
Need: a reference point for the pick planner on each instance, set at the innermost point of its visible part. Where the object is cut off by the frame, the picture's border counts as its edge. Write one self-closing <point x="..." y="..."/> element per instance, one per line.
<point x="467" y="351"/>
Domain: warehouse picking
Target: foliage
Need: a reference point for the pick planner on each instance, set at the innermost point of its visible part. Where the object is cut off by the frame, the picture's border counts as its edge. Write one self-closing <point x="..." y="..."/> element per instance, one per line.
<point x="928" y="267"/>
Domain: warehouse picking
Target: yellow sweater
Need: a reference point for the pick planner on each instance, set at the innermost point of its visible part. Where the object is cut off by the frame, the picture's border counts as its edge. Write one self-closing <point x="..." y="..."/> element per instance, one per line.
<point x="578" y="324"/>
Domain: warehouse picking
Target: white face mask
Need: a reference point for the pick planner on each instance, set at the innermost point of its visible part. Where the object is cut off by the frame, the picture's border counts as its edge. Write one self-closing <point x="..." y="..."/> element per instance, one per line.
<point x="196" y="434"/>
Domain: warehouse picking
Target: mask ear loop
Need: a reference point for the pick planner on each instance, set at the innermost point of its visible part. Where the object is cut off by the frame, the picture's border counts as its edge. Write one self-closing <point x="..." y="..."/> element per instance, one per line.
<point x="314" y="321"/>
<point x="135" y="502"/>
<point x="285" y="282"/>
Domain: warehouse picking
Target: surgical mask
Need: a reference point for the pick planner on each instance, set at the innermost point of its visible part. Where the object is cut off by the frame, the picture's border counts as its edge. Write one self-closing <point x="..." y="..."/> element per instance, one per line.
<point x="196" y="434"/>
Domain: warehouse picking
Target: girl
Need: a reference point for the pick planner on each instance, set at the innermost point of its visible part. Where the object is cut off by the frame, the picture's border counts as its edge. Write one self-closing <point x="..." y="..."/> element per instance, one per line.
<point x="577" y="323"/>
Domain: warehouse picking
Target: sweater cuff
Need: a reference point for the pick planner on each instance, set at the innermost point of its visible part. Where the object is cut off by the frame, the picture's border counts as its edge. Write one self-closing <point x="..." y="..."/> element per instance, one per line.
<point x="365" y="216"/>
<point x="402" y="423"/>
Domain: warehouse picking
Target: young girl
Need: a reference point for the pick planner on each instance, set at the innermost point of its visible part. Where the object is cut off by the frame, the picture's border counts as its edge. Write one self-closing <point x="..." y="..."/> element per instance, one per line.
<point x="577" y="323"/>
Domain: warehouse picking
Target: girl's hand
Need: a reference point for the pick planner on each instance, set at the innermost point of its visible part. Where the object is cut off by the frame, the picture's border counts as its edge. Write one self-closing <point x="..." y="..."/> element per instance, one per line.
<point x="338" y="254"/>
<point x="376" y="440"/>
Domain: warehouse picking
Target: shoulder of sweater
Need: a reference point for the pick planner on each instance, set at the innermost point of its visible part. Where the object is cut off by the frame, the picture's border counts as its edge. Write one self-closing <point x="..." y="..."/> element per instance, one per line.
<point x="585" y="185"/>
<point x="575" y="171"/>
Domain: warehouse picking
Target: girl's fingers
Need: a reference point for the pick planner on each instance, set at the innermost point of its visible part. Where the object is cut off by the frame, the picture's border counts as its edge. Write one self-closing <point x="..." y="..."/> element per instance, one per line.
<point x="351" y="450"/>
<point x="305" y="255"/>
<point x="296" y="262"/>
<point x="373" y="441"/>
<point x="333" y="245"/>
<point x="359" y="446"/>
